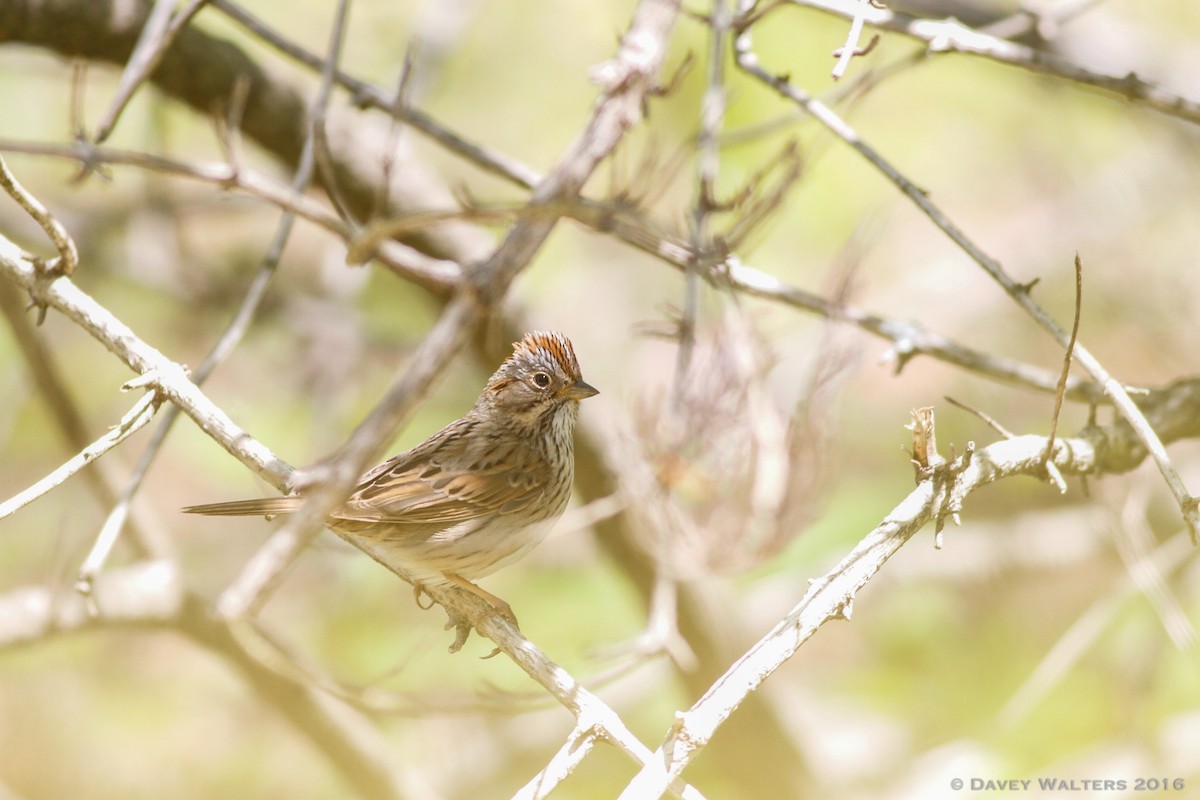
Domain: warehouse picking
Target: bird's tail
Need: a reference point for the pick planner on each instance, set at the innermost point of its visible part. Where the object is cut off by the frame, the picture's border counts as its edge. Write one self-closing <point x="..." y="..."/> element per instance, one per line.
<point x="249" y="508"/>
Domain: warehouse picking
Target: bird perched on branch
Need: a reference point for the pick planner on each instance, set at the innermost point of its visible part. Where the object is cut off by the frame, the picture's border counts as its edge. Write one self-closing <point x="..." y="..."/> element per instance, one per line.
<point x="478" y="494"/>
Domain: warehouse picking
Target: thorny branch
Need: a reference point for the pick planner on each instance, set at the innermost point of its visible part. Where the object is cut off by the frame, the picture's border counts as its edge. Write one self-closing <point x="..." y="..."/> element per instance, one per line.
<point x="626" y="82"/>
<point x="951" y="36"/>
<point x="1020" y="293"/>
<point x="114" y="523"/>
<point x="68" y="255"/>
<point x="942" y="488"/>
<point x="909" y="339"/>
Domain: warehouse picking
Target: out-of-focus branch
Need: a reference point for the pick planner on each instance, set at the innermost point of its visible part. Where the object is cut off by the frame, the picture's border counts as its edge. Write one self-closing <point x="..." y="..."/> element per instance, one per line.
<point x="438" y="275"/>
<point x="233" y="333"/>
<point x="275" y="111"/>
<point x="577" y="747"/>
<point x="708" y="163"/>
<point x="161" y="28"/>
<point x="134" y="420"/>
<point x="373" y="97"/>
<point x="343" y="736"/>
<point x="910" y="340"/>
<point x="626" y="81"/>
<point x="1088" y="625"/>
<point x="146" y="594"/>
<point x="150" y="595"/>
<point x="951" y="36"/>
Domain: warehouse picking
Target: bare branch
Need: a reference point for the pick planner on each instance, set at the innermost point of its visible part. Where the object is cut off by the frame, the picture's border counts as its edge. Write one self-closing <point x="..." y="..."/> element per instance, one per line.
<point x="1066" y="367"/>
<point x="437" y="275"/>
<point x="68" y="256"/>
<point x="951" y="36"/>
<point x="159" y="31"/>
<point x="1168" y="557"/>
<point x="851" y="49"/>
<point x="373" y="97"/>
<point x="830" y="597"/>
<point x="147" y="593"/>
<point x="712" y="117"/>
<point x="133" y="421"/>
<point x="165" y="375"/>
<point x="335" y="480"/>
<point x="114" y="523"/>
<point x="1189" y="506"/>
<point x="150" y="595"/>
<point x="577" y="747"/>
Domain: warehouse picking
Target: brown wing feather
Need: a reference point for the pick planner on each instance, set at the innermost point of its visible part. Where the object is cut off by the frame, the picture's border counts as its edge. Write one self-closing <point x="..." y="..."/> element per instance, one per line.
<point x="248" y="508"/>
<point x="453" y="476"/>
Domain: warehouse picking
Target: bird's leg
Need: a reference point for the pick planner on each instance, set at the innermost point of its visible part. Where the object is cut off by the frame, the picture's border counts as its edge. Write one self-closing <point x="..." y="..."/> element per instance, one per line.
<point x="499" y="606"/>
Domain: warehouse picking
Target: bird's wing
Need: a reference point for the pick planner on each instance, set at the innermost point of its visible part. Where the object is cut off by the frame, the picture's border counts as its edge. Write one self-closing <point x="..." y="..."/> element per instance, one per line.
<point x="456" y="475"/>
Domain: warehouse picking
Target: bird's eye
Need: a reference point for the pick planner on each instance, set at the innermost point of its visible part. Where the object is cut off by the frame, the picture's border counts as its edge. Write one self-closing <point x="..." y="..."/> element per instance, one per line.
<point x="541" y="380"/>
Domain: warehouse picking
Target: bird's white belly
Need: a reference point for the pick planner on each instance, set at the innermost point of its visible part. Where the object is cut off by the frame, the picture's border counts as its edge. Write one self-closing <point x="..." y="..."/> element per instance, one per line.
<point x="470" y="549"/>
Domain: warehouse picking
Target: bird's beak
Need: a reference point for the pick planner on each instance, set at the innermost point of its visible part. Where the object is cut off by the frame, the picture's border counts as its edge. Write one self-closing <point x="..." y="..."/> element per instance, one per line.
<point x="577" y="391"/>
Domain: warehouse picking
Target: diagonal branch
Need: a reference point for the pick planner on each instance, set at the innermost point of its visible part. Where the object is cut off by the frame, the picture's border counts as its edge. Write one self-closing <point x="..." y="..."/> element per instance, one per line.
<point x="133" y="421"/>
<point x="951" y="36"/>
<point x="167" y="376"/>
<point x="1020" y="293"/>
<point x="831" y="597"/>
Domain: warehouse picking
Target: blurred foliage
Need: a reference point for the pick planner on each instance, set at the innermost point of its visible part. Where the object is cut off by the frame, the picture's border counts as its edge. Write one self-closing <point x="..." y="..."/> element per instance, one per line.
<point x="1034" y="168"/>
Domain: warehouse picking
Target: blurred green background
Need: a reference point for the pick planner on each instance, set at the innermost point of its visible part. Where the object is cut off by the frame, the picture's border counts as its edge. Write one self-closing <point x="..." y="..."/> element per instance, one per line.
<point x="923" y="685"/>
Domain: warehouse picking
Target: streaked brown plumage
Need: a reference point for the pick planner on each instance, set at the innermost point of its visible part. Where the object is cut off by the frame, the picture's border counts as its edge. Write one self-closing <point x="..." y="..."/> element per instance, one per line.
<point x="481" y="492"/>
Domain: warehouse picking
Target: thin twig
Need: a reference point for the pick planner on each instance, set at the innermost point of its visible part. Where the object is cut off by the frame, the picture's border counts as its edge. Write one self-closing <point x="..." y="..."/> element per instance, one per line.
<point x="68" y="255"/>
<point x="399" y="112"/>
<point x="712" y="116"/>
<point x="851" y="49"/>
<point x="951" y="36"/>
<point x="132" y="422"/>
<point x="157" y="34"/>
<point x="168" y="377"/>
<point x="991" y="423"/>
<point x="1066" y="367"/>
<point x="371" y="96"/>
<point x="1189" y="505"/>
<point x="437" y="275"/>
<point x="114" y="523"/>
<point x="78" y="81"/>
